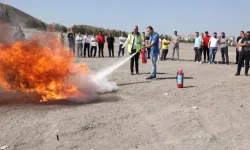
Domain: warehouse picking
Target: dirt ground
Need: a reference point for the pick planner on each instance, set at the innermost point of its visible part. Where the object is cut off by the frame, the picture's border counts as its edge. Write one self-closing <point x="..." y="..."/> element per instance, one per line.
<point x="212" y="111"/>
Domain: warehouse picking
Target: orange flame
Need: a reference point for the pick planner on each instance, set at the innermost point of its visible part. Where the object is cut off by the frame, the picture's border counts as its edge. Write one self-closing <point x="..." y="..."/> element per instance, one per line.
<point x="40" y="65"/>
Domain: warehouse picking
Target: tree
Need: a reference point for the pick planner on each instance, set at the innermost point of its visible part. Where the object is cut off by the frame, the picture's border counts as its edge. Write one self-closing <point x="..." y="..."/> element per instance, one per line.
<point x="30" y="23"/>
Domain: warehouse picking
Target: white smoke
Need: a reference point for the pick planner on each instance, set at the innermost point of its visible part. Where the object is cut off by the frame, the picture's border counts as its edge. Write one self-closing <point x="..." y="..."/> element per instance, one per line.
<point x="92" y="84"/>
<point x="100" y="78"/>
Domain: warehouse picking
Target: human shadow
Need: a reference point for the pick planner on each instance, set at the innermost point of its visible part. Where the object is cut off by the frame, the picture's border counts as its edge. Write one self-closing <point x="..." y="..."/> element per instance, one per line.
<point x="156" y="73"/>
<point x="130" y="83"/>
<point x="8" y="99"/>
<point x="164" y="78"/>
<point x="190" y="86"/>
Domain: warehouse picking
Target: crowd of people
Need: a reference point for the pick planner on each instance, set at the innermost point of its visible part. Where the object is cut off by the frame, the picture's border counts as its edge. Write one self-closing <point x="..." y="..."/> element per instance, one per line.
<point x="135" y="42"/>
<point x="210" y="45"/>
<point x="86" y="46"/>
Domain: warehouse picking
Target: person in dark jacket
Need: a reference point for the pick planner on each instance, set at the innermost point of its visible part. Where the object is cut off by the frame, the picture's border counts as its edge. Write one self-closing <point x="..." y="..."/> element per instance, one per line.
<point x="244" y="54"/>
<point x="19" y="35"/>
<point x="71" y="39"/>
<point x="111" y="41"/>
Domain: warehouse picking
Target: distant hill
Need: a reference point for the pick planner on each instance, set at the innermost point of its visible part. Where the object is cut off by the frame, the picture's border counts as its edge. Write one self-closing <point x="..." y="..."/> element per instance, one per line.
<point x="15" y="16"/>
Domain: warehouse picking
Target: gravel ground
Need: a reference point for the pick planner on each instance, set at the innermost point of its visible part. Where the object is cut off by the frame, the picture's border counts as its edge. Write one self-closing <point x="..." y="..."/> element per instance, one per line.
<point x="211" y="112"/>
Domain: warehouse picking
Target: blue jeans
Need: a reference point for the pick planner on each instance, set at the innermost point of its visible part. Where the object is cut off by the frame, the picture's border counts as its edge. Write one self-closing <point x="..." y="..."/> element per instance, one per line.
<point x="212" y="53"/>
<point x="154" y="58"/>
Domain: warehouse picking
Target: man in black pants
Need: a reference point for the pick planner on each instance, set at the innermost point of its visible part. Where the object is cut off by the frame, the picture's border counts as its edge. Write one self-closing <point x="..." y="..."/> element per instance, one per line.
<point x="86" y="45"/>
<point x="237" y="51"/>
<point x="244" y="54"/>
<point x="71" y="40"/>
<point x="205" y="41"/>
<point x="134" y="43"/>
<point x="110" y="41"/>
<point x="146" y="42"/>
<point x="101" y="41"/>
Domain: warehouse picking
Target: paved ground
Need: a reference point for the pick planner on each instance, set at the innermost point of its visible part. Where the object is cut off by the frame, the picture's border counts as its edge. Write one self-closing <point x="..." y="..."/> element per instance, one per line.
<point x="210" y="113"/>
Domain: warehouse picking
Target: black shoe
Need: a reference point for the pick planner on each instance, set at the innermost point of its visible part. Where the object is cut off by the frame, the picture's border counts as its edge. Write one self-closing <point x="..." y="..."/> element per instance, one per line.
<point x="237" y="74"/>
<point x="246" y="74"/>
<point x="151" y="77"/>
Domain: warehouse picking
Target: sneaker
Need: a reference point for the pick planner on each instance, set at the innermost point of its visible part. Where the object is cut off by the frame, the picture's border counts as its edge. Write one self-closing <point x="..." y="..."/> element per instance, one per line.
<point x="196" y="62"/>
<point x="150" y="77"/>
<point x="209" y="63"/>
<point x="200" y="62"/>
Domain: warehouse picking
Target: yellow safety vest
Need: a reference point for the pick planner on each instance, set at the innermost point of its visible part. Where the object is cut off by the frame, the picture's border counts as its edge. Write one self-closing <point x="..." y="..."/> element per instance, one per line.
<point x="131" y="42"/>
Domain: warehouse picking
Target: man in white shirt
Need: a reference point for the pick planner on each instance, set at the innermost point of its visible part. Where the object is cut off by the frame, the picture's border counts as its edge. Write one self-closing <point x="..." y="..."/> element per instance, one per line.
<point x="213" y="47"/>
<point x="86" y="40"/>
<point x="224" y="47"/>
<point x="159" y="48"/>
<point x="93" y="46"/>
<point x="79" y="44"/>
<point x="122" y="40"/>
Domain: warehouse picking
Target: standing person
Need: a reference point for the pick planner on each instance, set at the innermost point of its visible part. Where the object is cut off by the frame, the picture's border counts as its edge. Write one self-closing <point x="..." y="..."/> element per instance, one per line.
<point x="213" y="47"/>
<point x="197" y="48"/>
<point x="159" y="57"/>
<point x="60" y="38"/>
<point x="201" y="50"/>
<point x="146" y="43"/>
<point x="244" y="54"/>
<point x="134" y="43"/>
<point x="19" y="35"/>
<point x="202" y="35"/>
<point x="101" y="41"/>
<point x="79" y="44"/>
<point x="143" y="39"/>
<point x="71" y="40"/>
<point x="242" y="36"/>
<point x="224" y="47"/>
<point x="206" y="39"/>
<point x="164" y="48"/>
<point x="237" y="51"/>
<point x="93" y="46"/>
<point x="175" y="40"/>
<point x="154" y="51"/>
<point x="111" y="41"/>
<point x="86" y="40"/>
<point x="122" y="40"/>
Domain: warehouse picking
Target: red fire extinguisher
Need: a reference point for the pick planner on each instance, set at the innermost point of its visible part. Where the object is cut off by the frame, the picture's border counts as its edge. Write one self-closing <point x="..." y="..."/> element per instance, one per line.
<point x="144" y="56"/>
<point x="180" y="78"/>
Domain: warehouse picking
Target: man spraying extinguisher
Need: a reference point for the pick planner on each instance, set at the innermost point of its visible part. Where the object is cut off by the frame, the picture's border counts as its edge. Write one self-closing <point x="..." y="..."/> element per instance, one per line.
<point x="134" y="43"/>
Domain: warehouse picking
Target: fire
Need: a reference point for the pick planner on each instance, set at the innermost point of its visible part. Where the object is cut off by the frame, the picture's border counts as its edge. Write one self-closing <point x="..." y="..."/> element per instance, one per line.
<point x="40" y="65"/>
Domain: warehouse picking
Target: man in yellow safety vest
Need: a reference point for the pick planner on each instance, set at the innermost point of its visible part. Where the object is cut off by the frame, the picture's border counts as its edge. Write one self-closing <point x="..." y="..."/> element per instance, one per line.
<point x="134" y="43"/>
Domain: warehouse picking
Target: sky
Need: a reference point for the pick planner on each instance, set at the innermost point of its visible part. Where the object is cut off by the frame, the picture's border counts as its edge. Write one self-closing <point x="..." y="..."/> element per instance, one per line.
<point x="165" y="16"/>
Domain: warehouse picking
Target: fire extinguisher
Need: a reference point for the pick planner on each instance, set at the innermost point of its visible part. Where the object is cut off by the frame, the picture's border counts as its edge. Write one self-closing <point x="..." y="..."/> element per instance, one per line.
<point x="144" y="56"/>
<point x="180" y="78"/>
